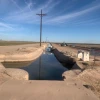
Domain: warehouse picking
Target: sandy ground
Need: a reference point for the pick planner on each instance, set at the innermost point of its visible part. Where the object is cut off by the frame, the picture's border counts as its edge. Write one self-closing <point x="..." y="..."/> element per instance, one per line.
<point x="20" y="52"/>
<point x="18" y="48"/>
<point x="67" y="50"/>
<point x="90" y="75"/>
<point x="27" y="52"/>
<point x="44" y="90"/>
<point x="72" y="51"/>
<point x="91" y="79"/>
<point x="71" y="89"/>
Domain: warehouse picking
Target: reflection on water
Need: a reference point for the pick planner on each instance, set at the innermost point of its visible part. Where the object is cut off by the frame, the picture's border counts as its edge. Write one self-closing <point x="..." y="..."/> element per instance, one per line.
<point x="46" y="67"/>
<point x="40" y="68"/>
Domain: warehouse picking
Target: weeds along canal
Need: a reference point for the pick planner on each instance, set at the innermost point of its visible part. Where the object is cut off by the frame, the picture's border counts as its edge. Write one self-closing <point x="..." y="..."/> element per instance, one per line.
<point x="46" y="67"/>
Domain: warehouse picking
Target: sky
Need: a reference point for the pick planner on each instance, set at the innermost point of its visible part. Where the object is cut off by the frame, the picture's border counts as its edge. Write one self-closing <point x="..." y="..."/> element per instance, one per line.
<point x="72" y="21"/>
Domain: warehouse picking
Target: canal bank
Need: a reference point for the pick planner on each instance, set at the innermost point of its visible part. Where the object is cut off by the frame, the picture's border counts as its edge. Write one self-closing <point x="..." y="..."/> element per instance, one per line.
<point x="87" y="73"/>
<point x="66" y="61"/>
<point x="21" y="53"/>
<point x="17" y="55"/>
<point x="45" y="67"/>
<point x="69" y="89"/>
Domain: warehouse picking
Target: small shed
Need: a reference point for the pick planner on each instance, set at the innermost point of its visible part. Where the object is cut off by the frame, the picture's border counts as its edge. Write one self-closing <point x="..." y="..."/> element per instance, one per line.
<point x="83" y="55"/>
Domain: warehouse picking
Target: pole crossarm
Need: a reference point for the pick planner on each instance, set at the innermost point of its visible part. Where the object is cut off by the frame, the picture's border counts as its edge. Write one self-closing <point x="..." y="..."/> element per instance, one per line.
<point x="41" y="14"/>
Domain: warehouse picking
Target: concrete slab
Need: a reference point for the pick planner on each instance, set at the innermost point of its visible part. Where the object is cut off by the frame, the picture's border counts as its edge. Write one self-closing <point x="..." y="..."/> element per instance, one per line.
<point x="44" y="90"/>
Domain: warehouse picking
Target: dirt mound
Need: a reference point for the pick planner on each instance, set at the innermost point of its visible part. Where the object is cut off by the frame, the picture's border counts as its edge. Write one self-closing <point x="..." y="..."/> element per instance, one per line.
<point x="91" y="79"/>
<point x="71" y="74"/>
<point x="17" y="74"/>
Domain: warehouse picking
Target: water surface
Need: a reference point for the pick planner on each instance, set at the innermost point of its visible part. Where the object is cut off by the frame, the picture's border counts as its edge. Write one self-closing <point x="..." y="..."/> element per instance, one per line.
<point x="46" y="67"/>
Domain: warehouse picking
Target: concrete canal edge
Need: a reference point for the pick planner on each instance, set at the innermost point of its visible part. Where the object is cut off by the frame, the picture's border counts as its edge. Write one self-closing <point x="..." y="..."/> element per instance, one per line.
<point x="65" y="60"/>
<point x="19" y="74"/>
<point x="70" y="63"/>
<point x="22" y="57"/>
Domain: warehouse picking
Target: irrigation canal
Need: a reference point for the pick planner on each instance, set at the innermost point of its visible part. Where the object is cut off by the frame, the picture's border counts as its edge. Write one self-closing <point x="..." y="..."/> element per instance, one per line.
<point x="46" y="67"/>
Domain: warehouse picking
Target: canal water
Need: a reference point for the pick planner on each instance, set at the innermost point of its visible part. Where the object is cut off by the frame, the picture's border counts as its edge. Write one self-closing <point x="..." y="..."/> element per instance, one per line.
<point x="46" y="67"/>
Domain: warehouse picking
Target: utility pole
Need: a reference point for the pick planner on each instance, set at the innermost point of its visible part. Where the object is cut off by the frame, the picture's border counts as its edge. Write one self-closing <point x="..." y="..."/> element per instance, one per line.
<point x="41" y="15"/>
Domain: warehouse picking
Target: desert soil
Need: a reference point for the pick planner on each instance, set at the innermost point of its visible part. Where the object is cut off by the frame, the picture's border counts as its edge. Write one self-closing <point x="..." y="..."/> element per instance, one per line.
<point x="18" y="48"/>
<point x="73" y="51"/>
<point x="90" y="75"/>
<point x="16" y="53"/>
<point x="71" y="89"/>
<point x="44" y="90"/>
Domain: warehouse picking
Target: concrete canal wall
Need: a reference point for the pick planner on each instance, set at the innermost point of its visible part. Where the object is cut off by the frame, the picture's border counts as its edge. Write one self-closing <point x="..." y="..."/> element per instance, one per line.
<point x="65" y="60"/>
<point x="15" y="73"/>
<point x="70" y="63"/>
<point x="22" y="57"/>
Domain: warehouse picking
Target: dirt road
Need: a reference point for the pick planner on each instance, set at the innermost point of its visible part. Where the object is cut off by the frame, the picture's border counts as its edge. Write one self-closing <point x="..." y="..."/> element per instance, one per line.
<point x="44" y="90"/>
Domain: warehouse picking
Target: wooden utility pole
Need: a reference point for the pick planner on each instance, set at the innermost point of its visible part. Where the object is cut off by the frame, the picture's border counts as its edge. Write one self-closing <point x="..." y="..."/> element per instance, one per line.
<point x="41" y="15"/>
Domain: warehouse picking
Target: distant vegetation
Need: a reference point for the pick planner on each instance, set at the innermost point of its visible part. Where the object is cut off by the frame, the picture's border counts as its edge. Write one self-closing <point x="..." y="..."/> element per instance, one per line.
<point x="6" y="43"/>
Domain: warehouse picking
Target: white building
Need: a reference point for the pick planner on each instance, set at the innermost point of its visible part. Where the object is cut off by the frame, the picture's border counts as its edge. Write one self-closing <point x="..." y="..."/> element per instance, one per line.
<point x="83" y="55"/>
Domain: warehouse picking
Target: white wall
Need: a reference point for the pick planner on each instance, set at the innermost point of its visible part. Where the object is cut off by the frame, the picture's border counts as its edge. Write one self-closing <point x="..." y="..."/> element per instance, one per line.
<point x="79" y="55"/>
<point x="85" y="56"/>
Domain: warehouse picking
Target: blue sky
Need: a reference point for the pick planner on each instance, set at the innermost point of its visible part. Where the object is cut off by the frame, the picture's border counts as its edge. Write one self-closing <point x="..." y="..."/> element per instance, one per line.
<point x="66" y="21"/>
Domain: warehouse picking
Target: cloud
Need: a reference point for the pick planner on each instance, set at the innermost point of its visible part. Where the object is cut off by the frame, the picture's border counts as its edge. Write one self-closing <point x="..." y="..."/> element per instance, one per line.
<point x="87" y="22"/>
<point x="73" y="15"/>
<point x="27" y="14"/>
<point x="4" y="25"/>
<point x="30" y="4"/>
<point x="14" y="2"/>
